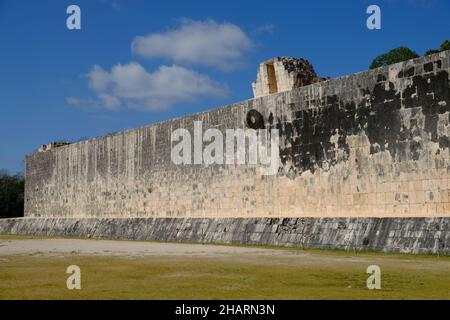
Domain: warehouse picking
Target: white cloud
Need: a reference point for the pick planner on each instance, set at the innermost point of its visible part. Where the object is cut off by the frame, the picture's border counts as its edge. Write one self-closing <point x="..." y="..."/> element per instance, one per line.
<point x="87" y="104"/>
<point x="98" y="78"/>
<point x="109" y="101"/>
<point x="267" y="28"/>
<point x="208" y="43"/>
<point x="196" y="42"/>
<point x="137" y="88"/>
<point x="73" y="101"/>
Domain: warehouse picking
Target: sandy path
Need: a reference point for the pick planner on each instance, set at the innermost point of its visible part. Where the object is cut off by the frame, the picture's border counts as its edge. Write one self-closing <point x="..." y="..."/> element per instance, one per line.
<point x="120" y="248"/>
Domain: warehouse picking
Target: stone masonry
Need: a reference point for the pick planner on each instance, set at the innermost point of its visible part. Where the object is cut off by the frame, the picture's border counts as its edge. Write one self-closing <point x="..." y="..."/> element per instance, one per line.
<point x="283" y="74"/>
<point x="371" y="144"/>
<point x="404" y="235"/>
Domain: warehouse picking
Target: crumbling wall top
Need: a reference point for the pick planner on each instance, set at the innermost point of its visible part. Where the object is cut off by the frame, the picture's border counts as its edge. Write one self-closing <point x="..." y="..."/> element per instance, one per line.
<point x="283" y="74"/>
<point x="56" y="144"/>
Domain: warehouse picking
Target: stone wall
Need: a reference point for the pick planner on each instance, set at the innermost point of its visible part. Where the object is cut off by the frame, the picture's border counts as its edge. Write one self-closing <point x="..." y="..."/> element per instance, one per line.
<point x="406" y="235"/>
<point x="372" y="144"/>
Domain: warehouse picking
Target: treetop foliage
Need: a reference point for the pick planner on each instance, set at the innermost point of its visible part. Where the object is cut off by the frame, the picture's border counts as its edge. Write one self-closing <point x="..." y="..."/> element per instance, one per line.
<point x="402" y="54"/>
<point x="11" y="194"/>
<point x="395" y="55"/>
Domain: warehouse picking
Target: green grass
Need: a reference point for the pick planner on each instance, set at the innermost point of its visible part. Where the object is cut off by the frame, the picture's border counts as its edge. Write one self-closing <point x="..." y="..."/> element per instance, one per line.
<point x="253" y="277"/>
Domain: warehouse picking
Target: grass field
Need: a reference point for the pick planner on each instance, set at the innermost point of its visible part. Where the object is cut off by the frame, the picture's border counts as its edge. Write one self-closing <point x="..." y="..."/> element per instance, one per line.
<point x="286" y="274"/>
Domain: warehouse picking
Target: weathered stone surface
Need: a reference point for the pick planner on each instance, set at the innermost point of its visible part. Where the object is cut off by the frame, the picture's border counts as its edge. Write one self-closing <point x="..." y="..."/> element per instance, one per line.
<point x="283" y="74"/>
<point x="408" y="235"/>
<point x="372" y="144"/>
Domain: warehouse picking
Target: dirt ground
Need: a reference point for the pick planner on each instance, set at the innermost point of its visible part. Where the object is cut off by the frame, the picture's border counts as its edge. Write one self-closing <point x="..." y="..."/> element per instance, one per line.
<point x="119" y="248"/>
<point x="89" y="247"/>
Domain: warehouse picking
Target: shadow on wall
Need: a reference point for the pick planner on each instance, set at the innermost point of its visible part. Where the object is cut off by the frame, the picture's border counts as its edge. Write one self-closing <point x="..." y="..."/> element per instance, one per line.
<point x="11" y="195"/>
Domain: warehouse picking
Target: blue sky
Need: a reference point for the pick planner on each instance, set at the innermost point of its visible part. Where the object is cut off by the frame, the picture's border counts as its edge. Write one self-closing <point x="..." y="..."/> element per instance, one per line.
<point x="138" y="62"/>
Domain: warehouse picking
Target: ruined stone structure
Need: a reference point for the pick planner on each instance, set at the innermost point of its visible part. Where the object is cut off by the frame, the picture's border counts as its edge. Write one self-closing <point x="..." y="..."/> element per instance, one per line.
<point x="283" y="74"/>
<point x="57" y="144"/>
<point x="374" y="143"/>
<point x="373" y="146"/>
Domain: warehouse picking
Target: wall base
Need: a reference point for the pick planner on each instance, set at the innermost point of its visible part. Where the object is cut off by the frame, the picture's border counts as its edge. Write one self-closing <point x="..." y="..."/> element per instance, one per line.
<point x="408" y="235"/>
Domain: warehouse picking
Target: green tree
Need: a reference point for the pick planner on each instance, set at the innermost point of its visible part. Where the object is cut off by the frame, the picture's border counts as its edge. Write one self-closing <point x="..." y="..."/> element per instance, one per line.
<point x="11" y="194"/>
<point x="431" y="51"/>
<point x="444" y="46"/>
<point x="395" y="55"/>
